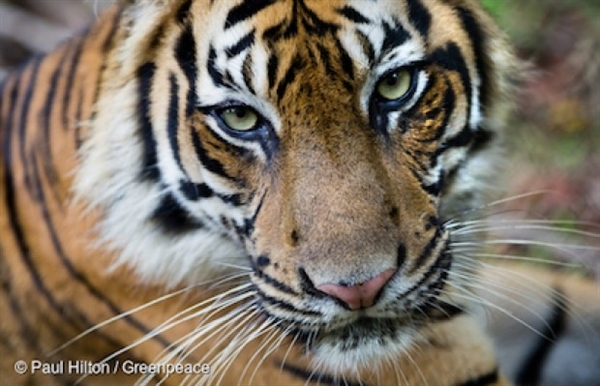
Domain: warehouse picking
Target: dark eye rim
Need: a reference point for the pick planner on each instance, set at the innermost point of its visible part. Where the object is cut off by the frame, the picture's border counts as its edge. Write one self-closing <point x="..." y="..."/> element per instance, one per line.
<point x="387" y="105"/>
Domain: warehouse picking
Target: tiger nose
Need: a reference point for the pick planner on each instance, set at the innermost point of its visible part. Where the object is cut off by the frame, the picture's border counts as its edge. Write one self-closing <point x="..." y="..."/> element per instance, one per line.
<point x="361" y="295"/>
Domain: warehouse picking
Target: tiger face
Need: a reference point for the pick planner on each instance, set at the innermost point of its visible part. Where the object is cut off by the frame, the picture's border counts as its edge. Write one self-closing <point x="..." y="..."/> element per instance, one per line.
<point x="323" y="145"/>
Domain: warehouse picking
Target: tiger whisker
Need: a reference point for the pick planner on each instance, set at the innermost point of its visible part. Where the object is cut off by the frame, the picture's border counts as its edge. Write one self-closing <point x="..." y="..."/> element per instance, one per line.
<point x="543" y="290"/>
<point x="504" y="256"/>
<point x="292" y="344"/>
<point x="559" y="246"/>
<point x="499" y="202"/>
<point x="118" y="317"/>
<point x="284" y="334"/>
<point x="474" y="229"/>
<point x="275" y="332"/>
<point x="229" y="318"/>
<point x="469" y="279"/>
<point x="168" y="324"/>
<point x="535" y="288"/>
<point x="238" y="334"/>
<point x="489" y="219"/>
<point x="263" y="328"/>
<point x="208" y="331"/>
<point x="465" y="294"/>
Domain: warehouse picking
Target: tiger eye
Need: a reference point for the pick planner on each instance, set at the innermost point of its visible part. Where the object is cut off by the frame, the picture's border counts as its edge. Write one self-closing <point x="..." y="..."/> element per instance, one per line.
<point x="240" y="118"/>
<point x="394" y="86"/>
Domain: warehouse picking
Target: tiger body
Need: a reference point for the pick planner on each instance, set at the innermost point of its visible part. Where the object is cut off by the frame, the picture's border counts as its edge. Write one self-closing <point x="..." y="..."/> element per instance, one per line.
<point x="327" y="207"/>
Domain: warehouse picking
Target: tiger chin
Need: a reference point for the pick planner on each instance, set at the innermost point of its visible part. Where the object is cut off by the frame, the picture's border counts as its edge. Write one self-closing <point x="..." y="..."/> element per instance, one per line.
<point x="278" y="190"/>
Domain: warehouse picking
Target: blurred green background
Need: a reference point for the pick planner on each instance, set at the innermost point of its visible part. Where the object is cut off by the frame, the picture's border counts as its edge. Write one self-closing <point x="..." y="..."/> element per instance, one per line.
<point x="554" y="135"/>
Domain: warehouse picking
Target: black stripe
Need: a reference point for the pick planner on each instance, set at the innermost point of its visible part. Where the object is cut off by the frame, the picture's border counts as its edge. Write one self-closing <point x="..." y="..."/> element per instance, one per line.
<point x="173" y="218"/>
<point x="532" y="367"/>
<point x="324" y="55"/>
<point x="452" y="59"/>
<point x="289" y="76"/>
<point x="366" y="45"/>
<point x="277" y="32"/>
<point x="483" y="380"/>
<point x="248" y="227"/>
<point x="318" y="377"/>
<point x="45" y="120"/>
<point x="17" y="229"/>
<point x="232" y="199"/>
<point x="71" y="71"/>
<point x="442" y="312"/>
<point x="15" y="225"/>
<point x="78" y="112"/>
<point x="25" y="105"/>
<point x="311" y="21"/>
<point x="36" y="189"/>
<point x="419" y="17"/>
<point x="478" y="40"/>
<point x="244" y="43"/>
<point x="211" y="164"/>
<point x="247" y="73"/>
<point x="57" y="245"/>
<point x="272" y="67"/>
<point x="26" y="330"/>
<point x="446" y="109"/>
<point x="145" y="76"/>
<point x="401" y="254"/>
<point x="173" y="119"/>
<point x="426" y="251"/>
<point x="274" y="282"/>
<point x="462" y="139"/>
<point x="395" y="35"/>
<point x="213" y="71"/>
<point x="435" y="188"/>
<point x="107" y="44"/>
<point x="185" y="54"/>
<point x="278" y="303"/>
<point x="482" y="138"/>
<point x="245" y="10"/>
<point x="193" y="191"/>
<point x="353" y="15"/>
<point x="8" y="121"/>
<point x="347" y="63"/>
<point x="183" y="12"/>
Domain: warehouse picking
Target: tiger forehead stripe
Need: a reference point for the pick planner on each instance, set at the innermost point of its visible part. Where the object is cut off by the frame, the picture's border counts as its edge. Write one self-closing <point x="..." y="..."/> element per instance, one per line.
<point x="245" y="10"/>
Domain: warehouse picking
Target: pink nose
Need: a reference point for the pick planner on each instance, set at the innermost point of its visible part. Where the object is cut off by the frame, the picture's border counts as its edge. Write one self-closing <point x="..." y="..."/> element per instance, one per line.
<point x="361" y="295"/>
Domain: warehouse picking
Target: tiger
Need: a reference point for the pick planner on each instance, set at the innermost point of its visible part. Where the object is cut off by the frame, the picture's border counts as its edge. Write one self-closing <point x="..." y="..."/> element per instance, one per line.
<point x="263" y="192"/>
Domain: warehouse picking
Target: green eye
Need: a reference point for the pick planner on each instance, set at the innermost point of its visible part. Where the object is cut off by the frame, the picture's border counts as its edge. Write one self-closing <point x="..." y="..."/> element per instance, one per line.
<point x="395" y="85"/>
<point x="240" y="118"/>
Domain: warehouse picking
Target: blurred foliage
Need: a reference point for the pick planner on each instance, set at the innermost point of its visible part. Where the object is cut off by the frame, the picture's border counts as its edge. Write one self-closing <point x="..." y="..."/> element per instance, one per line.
<point x="554" y="136"/>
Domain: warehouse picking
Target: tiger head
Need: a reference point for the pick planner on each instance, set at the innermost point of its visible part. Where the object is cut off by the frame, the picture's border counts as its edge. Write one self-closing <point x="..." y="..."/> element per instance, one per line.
<point x="322" y="146"/>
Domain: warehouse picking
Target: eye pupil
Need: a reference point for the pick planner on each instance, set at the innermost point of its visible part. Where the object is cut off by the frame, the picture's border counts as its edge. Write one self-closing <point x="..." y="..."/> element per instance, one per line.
<point x="240" y="112"/>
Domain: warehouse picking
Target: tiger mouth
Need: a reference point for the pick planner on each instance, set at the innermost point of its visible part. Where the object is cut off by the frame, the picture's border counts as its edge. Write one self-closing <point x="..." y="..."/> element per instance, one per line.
<point x="421" y="305"/>
<point x="353" y="334"/>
